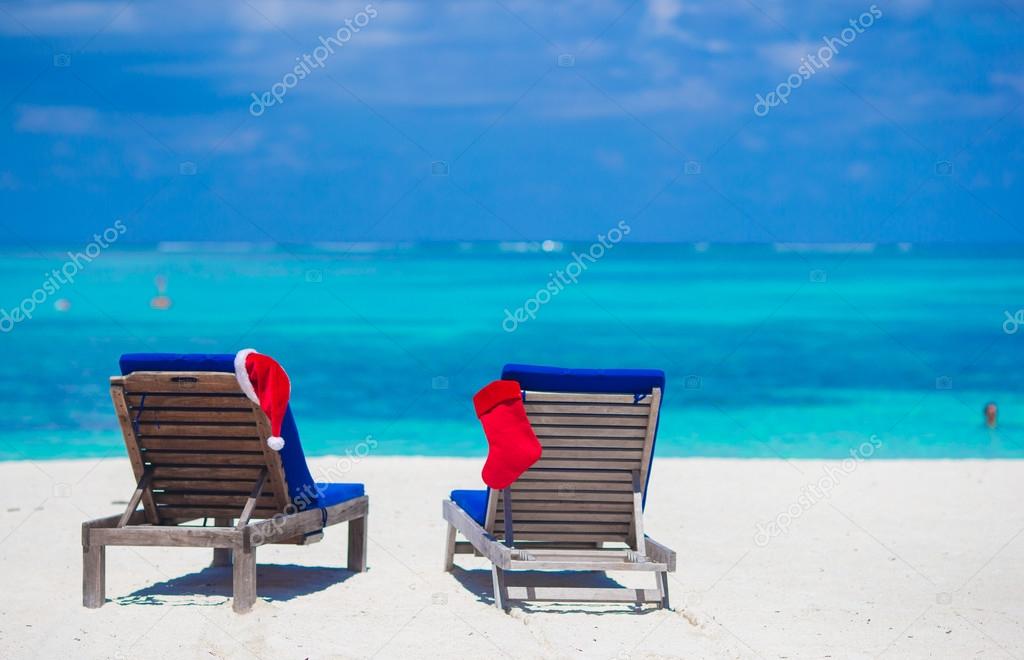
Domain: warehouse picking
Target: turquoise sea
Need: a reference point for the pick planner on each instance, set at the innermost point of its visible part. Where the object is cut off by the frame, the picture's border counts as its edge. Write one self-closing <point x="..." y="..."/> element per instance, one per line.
<point x="770" y="350"/>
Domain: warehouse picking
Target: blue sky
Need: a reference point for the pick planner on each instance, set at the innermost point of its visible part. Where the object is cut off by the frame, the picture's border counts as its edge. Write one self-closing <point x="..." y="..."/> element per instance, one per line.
<point x="553" y="120"/>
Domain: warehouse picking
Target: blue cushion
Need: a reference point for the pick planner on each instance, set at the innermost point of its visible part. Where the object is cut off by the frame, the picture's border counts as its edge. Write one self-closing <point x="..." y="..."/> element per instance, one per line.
<point x="473" y="502"/>
<point x="177" y="362"/>
<point x="301" y="488"/>
<point x="331" y="494"/>
<point x="606" y="381"/>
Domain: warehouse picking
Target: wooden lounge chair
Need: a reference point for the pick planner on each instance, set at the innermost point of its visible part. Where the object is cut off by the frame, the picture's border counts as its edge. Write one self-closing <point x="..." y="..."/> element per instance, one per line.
<point x="198" y="448"/>
<point x="580" y="507"/>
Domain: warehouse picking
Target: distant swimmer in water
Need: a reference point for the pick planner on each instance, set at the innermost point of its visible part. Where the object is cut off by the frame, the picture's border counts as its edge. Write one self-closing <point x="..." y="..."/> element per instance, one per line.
<point x="991" y="414"/>
<point x="160" y="301"/>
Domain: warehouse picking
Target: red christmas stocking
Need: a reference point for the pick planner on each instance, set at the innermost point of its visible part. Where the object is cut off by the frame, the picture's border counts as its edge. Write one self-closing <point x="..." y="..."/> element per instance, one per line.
<point x="513" y="446"/>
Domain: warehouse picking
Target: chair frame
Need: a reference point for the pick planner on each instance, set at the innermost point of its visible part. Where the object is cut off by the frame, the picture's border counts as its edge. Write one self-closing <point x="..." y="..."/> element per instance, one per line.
<point x="180" y="478"/>
<point x="566" y="458"/>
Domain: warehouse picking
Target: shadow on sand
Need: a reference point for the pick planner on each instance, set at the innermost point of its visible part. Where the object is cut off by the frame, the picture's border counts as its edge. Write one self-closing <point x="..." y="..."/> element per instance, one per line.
<point x="478" y="581"/>
<point x="275" y="582"/>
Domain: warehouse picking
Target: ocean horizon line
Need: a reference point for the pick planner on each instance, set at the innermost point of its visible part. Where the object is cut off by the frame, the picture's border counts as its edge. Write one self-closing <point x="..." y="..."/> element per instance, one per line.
<point x="547" y="246"/>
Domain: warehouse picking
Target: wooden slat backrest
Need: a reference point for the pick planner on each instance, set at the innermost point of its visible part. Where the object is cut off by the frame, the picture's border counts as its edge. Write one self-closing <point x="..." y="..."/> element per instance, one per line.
<point x="581" y="489"/>
<point x="202" y="440"/>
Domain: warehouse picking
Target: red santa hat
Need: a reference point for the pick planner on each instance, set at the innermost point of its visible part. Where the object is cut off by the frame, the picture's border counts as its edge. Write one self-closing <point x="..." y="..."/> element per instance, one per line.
<point x="266" y="384"/>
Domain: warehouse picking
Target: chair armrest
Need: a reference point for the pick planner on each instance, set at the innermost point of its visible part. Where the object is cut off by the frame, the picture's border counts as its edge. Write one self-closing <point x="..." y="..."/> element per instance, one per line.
<point x="661" y="554"/>
<point x="488" y="546"/>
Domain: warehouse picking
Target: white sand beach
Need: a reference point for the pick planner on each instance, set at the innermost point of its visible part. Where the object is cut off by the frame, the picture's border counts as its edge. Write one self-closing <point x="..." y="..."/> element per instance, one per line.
<point x="905" y="559"/>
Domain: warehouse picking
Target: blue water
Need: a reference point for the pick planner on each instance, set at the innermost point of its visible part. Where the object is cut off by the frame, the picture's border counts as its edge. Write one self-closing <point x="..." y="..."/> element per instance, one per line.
<point x="769" y="352"/>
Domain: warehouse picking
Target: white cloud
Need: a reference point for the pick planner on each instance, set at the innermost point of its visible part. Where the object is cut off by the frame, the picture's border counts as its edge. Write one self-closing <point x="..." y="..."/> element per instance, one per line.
<point x="610" y="159"/>
<point x="241" y="141"/>
<point x="71" y="18"/>
<point x="662" y="15"/>
<point x="57" y="120"/>
<point x="692" y="93"/>
<point x="87" y="17"/>
<point x="1014" y="81"/>
<point x="751" y="142"/>
<point x="935" y="103"/>
<point x="858" y="170"/>
<point x="785" y="56"/>
<point x="8" y="181"/>
<point x="907" y="9"/>
<point x="274" y="15"/>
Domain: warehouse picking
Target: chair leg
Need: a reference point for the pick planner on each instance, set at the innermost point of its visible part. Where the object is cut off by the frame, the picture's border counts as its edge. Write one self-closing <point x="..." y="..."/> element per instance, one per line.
<point x="357" y="540"/>
<point x="94" y="570"/>
<point x="662" y="578"/>
<point x="500" y="589"/>
<point x="449" y="548"/>
<point x="244" y="580"/>
<point x="221" y="556"/>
